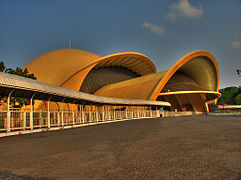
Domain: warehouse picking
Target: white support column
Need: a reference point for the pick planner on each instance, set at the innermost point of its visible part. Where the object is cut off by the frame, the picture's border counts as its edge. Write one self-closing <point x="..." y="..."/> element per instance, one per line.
<point x="58" y="118"/>
<point x="8" y="112"/>
<point x="31" y="112"/>
<point x="68" y="112"/>
<point x="62" y="113"/>
<point x="48" y="117"/>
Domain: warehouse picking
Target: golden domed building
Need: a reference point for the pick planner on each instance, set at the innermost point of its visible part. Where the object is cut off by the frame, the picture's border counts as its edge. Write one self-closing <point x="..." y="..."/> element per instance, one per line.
<point x="189" y="85"/>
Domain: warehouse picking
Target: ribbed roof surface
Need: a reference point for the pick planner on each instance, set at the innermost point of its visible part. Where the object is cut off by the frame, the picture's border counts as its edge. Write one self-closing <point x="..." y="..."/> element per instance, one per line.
<point x="134" y="61"/>
<point x="136" y="88"/>
<point x="181" y="82"/>
<point x="25" y="87"/>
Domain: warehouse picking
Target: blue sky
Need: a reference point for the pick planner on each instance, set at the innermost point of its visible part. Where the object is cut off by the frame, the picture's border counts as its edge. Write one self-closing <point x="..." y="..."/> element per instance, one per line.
<point x="163" y="30"/>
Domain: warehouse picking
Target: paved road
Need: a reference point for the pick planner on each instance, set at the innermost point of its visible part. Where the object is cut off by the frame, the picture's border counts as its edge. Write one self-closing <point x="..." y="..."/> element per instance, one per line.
<point x="197" y="147"/>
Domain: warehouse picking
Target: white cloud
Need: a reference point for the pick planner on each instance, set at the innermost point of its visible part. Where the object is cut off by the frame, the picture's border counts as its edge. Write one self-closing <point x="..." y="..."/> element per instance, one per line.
<point x="236" y="44"/>
<point x="155" y="28"/>
<point x="183" y="9"/>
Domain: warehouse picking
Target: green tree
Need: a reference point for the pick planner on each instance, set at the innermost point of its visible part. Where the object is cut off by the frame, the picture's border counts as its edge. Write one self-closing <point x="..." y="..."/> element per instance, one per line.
<point x="238" y="99"/>
<point x="20" y="72"/>
<point x="229" y="95"/>
<point x="2" y="66"/>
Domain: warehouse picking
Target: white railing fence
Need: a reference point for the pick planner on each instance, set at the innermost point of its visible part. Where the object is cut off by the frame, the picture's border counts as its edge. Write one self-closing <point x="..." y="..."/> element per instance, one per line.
<point x="15" y="120"/>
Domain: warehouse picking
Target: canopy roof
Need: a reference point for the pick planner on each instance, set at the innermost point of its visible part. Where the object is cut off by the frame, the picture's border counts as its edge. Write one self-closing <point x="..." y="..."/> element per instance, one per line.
<point x="27" y="88"/>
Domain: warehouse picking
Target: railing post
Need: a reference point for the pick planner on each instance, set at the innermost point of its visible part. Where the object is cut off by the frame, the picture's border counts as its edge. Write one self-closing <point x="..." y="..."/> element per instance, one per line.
<point x="62" y="113"/>
<point x="103" y="113"/>
<point x="80" y="118"/>
<point x="82" y="113"/>
<point x="54" y="117"/>
<point x="90" y="117"/>
<point x="24" y="120"/>
<point x="110" y="113"/>
<point x="73" y="118"/>
<point x="143" y="112"/>
<point x="157" y="114"/>
<point x="138" y="112"/>
<point x="107" y="114"/>
<point x="150" y="111"/>
<point x="132" y="112"/>
<point x="96" y="113"/>
<point x="114" y="114"/>
<point x="58" y="121"/>
<point x="123" y="114"/>
<point x="68" y="113"/>
<point x="126" y="112"/>
<point x="58" y="118"/>
<point x="40" y="118"/>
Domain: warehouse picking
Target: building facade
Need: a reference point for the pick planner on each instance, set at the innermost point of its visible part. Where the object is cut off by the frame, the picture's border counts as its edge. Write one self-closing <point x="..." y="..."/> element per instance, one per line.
<point x="189" y="85"/>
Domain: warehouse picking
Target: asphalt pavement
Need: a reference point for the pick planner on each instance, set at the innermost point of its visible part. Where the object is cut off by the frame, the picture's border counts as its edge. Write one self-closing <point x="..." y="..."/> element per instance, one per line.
<point x="192" y="147"/>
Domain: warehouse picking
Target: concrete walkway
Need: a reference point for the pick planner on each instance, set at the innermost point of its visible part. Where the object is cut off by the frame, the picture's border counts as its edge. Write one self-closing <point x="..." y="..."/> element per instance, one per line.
<point x="194" y="147"/>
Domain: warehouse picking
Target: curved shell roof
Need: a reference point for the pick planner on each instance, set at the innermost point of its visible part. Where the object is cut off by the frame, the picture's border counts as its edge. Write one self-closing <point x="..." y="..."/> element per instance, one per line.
<point x="201" y="66"/>
<point x="134" y="61"/>
<point x="65" y="67"/>
<point x="56" y="66"/>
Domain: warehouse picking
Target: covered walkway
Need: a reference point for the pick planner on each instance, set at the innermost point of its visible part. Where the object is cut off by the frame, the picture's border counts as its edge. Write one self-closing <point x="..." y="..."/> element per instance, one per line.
<point x="83" y="108"/>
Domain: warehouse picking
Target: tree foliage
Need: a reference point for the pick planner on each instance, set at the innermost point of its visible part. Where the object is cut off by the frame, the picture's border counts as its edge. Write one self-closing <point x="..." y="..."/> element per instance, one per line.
<point x="17" y="101"/>
<point x="238" y="99"/>
<point x="229" y="95"/>
<point x="2" y="66"/>
<point x="20" y="72"/>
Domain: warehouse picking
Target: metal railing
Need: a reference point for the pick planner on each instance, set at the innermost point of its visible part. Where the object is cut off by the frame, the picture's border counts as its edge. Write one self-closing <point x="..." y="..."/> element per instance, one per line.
<point x="179" y="113"/>
<point x="20" y="120"/>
